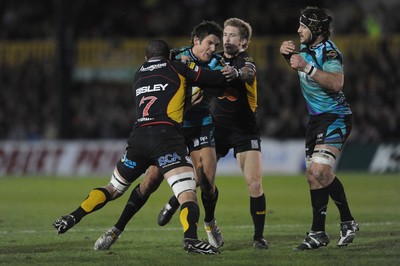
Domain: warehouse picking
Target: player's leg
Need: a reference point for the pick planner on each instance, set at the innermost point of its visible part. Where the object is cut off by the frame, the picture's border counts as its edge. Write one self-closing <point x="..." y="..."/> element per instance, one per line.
<point x="317" y="236"/>
<point x="205" y="164"/>
<point x="96" y="199"/>
<point x="137" y="199"/>
<point x="183" y="184"/>
<point x="251" y="166"/>
<point x="325" y="138"/>
<point x="323" y="160"/>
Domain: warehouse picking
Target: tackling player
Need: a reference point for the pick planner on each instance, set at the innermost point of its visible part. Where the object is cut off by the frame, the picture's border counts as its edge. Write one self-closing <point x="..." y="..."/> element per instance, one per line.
<point x="319" y="64"/>
<point x="156" y="139"/>
<point x="199" y="138"/>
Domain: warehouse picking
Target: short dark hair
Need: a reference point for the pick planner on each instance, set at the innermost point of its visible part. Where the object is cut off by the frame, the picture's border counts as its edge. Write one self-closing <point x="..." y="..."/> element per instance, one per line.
<point x="157" y="48"/>
<point x="206" y="28"/>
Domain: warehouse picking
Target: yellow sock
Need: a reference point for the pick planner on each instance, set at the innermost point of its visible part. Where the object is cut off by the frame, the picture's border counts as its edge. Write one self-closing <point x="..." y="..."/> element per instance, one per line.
<point x="183" y="217"/>
<point x="96" y="198"/>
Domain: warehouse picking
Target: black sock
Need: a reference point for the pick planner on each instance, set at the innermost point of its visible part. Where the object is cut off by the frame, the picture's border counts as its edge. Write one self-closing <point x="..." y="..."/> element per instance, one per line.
<point x="173" y="202"/>
<point x="319" y="203"/>
<point x="135" y="203"/>
<point x="209" y="205"/>
<point x="189" y="218"/>
<point x="258" y="211"/>
<point x="96" y="200"/>
<point x="336" y="192"/>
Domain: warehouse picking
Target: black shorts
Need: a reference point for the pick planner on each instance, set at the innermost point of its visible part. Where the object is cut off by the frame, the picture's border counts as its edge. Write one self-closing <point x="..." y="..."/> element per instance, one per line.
<point x="199" y="137"/>
<point x="327" y="129"/>
<point x="159" y="145"/>
<point x="227" y="137"/>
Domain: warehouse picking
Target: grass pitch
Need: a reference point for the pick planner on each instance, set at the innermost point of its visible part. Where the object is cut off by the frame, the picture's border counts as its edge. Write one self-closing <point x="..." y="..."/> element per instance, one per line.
<point x="29" y="205"/>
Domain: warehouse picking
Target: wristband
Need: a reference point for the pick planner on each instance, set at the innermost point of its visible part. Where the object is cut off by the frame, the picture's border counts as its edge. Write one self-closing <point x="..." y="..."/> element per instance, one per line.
<point x="238" y="72"/>
<point x="310" y="70"/>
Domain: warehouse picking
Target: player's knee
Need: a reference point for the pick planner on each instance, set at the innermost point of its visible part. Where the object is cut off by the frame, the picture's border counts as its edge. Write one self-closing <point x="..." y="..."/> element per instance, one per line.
<point x="321" y="166"/>
<point x="114" y="193"/>
<point x="255" y="188"/>
<point x="118" y="185"/>
<point x="323" y="157"/>
<point x="183" y="182"/>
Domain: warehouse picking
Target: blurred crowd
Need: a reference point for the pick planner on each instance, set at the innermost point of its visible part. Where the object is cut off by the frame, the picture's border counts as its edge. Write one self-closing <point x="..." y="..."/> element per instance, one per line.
<point x="30" y="99"/>
<point x="26" y="19"/>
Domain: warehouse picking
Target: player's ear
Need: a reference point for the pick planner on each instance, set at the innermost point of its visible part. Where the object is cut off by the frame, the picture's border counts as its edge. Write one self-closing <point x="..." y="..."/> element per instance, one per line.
<point x="243" y="42"/>
<point x="196" y="40"/>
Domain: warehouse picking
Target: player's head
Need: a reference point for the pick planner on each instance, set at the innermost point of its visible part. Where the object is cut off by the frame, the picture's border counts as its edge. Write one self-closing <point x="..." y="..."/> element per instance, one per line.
<point x="206" y="37"/>
<point x="317" y="21"/>
<point x="157" y="49"/>
<point x="236" y="36"/>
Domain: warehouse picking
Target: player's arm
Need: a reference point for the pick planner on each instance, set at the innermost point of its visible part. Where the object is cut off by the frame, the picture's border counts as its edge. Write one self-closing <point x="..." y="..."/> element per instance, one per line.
<point x="204" y="78"/>
<point x="245" y="73"/>
<point x="248" y="74"/>
<point x="332" y="81"/>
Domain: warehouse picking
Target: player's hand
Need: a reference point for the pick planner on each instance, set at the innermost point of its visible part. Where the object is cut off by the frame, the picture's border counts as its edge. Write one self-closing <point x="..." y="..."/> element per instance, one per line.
<point x="287" y="47"/>
<point x="230" y="73"/>
<point x="197" y="98"/>
<point x="297" y="62"/>
<point x="185" y="58"/>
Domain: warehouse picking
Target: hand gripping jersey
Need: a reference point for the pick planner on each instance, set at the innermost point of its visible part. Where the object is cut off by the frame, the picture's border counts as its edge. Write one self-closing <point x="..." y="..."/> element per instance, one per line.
<point x="237" y="107"/>
<point x="159" y="90"/>
<point x="324" y="56"/>
<point x="200" y="113"/>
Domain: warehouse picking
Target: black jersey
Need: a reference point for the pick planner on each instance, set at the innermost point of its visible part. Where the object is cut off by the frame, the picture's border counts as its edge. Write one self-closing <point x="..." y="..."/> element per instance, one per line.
<point x="159" y="90"/>
<point x="238" y="106"/>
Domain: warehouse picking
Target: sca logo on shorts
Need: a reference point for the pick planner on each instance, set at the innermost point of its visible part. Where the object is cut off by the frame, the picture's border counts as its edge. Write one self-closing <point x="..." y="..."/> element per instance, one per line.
<point x="168" y="159"/>
<point x="128" y="163"/>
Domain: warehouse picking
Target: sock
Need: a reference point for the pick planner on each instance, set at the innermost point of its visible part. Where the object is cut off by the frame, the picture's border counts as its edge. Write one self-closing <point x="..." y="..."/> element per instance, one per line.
<point x="336" y="192"/>
<point x="189" y="217"/>
<point x="173" y="202"/>
<point x="135" y="203"/>
<point x="209" y="205"/>
<point x="96" y="200"/>
<point x="319" y="203"/>
<point x="258" y="211"/>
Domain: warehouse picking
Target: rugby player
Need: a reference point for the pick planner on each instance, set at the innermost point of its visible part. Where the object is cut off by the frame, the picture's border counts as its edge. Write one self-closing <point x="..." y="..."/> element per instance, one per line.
<point x="199" y="138"/>
<point x="156" y="139"/>
<point x="319" y="64"/>
<point x="235" y="120"/>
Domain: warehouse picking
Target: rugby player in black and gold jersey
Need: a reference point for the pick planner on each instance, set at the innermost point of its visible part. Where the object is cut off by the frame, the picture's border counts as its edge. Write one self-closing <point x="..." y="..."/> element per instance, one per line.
<point x="156" y="139"/>
<point x="198" y="132"/>
<point x="235" y="119"/>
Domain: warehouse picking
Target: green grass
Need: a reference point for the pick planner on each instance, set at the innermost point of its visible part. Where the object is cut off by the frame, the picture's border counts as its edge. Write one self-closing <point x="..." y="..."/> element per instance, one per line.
<point x="29" y="205"/>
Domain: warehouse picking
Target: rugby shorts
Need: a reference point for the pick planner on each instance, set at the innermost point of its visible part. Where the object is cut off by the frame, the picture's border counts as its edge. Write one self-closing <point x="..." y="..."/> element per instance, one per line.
<point x="159" y="145"/>
<point x="327" y="129"/>
<point x="198" y="137"/>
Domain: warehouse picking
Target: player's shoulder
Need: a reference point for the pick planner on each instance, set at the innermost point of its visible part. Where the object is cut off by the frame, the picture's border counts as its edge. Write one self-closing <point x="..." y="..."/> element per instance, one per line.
<point x="246" y="57"/>
<point x="177" y="53"/>
<point x="331" y="51"/>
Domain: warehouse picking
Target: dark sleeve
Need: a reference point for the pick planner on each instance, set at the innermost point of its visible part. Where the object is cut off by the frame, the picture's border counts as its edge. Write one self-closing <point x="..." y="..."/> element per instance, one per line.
<point x="207" y="79"/>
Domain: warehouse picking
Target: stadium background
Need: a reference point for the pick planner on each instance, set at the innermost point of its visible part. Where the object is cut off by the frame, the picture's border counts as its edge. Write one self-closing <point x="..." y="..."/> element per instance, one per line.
<point x="66" y="67"/>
